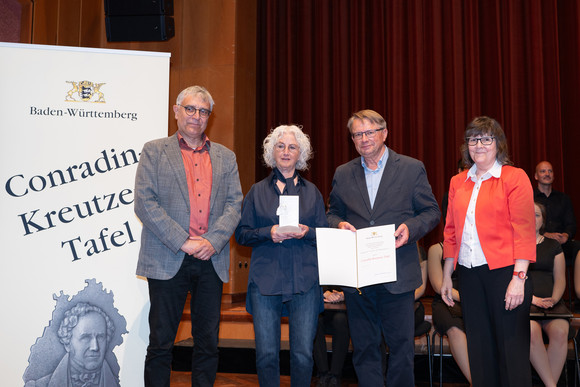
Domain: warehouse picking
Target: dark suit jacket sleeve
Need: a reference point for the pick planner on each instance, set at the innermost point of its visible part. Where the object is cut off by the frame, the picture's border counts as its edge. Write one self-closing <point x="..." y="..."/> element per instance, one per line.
<point x="427" y="213"/>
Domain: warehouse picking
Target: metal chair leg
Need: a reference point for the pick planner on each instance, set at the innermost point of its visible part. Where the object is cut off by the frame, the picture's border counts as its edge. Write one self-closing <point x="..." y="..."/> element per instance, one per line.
<point x="577" y="365"/>
<point x="565" y="373"/>
<point x="429" y="359"/>
<point x="569" y="283"/>
<point x="440" y="355"/>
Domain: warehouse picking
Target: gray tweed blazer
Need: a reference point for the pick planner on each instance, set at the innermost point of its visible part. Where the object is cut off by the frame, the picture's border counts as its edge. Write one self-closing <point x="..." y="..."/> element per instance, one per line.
<point x="162" y="205"/>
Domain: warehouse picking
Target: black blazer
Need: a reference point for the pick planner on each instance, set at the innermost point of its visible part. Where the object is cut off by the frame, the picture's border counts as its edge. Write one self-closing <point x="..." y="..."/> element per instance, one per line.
<point x="404" y="196"/>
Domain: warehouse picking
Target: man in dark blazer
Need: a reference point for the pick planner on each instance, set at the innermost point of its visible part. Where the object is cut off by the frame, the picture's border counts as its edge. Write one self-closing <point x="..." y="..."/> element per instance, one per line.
<point x="382" y="187"/>
<point x="188" y="196"/>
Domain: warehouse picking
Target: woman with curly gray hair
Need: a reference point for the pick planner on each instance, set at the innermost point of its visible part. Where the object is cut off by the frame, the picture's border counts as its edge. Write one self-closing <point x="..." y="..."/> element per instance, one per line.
<point x="283" y="279"/>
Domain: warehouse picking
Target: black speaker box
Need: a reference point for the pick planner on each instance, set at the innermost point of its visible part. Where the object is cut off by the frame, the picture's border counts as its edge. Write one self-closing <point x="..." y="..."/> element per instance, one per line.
<point x="138" y="7"/>
<point x="139" y="28"/>
<point x="139" y="20"/>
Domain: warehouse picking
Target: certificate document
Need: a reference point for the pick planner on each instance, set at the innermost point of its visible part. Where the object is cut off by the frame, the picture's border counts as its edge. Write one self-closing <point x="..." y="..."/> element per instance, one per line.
<point x="356" y="259"/>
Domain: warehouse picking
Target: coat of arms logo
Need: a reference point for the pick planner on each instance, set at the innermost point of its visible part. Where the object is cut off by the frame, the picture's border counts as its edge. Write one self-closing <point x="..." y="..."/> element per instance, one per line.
<point x="85" y="91"/>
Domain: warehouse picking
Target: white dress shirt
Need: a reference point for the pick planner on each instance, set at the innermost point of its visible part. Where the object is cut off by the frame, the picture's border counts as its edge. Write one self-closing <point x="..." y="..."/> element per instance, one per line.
<point x="470" y="251"/>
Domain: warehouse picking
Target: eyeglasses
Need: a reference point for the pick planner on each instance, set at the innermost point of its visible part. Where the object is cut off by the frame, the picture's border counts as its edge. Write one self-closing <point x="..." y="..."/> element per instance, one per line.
<point x="368" y="133"/>
<point x="291" y="148"/>
<point x="191" y="110"/>
<point x="472" y="141"/>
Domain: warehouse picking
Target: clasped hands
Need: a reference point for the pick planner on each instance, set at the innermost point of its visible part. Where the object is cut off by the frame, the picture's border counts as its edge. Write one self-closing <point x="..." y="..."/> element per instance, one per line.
<point x="278" y="237"/>
<point x="333" y="296"/>
<point x="561" y="237"/>
<point x="198" y="247"/>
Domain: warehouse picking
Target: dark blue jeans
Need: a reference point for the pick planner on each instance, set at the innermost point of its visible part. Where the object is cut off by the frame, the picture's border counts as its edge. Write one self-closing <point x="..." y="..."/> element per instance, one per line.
<point x="303" y="317"/>
<point x="167" y="301"/>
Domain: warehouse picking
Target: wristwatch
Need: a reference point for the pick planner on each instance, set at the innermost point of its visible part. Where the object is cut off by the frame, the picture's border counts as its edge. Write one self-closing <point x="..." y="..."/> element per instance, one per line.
<point x="521" y="275"/>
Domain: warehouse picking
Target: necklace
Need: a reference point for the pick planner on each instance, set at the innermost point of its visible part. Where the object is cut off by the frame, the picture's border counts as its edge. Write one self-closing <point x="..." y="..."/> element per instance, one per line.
<point x="539" y="239"/>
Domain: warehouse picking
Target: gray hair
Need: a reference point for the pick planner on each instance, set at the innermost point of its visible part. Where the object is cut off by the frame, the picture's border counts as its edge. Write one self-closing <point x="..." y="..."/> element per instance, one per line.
<point x="196" y="90"/>
<point x="71" y="319"/>
<point x="369" y="115"/>
<point x="301" y="138"/>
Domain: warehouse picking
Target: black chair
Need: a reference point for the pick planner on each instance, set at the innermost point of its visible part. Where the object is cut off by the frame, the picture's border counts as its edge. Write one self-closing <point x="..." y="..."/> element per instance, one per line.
<point x="440" y="354"/>
<point x="423" y="329"/>
<point x="570" y="284"/>
<point x="575" y="338"/>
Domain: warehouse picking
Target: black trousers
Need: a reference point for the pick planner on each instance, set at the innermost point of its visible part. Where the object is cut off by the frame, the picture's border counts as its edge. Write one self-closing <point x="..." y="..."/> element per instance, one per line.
<point x="498" y="340"/>
<point x="167" y="301"/>
<point x="372" y="315"/>
<point x="334" y="323"/>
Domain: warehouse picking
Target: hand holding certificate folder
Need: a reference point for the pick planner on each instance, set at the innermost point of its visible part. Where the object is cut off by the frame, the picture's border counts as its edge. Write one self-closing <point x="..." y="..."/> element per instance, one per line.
<point x="356" y="259"/>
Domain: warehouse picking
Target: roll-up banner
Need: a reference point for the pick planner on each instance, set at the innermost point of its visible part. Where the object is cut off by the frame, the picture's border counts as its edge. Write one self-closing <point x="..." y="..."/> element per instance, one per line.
<point x="73" y="122"/>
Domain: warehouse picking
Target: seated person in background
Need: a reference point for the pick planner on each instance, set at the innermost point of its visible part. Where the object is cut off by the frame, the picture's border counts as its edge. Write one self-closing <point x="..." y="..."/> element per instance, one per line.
<point x="548" y="283"/>
<point x="420" y="291"/>
<point x="445" y="200"/>
<point x="335" y="323"/>
<point x="448" y="320"/>
<point x="560" y="223"/>
<point x="577" y="275"/>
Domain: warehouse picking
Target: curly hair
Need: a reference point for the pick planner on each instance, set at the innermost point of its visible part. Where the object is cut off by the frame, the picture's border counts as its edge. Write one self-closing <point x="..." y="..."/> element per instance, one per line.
<point x="486" y="126"/>
<point x="71" y="319"/>
<point x="301" y="138"/>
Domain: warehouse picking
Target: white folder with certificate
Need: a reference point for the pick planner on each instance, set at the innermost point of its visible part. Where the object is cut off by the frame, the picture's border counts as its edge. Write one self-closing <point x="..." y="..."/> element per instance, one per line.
<point x="356" y="259"/>
<point x="288" y="213"/>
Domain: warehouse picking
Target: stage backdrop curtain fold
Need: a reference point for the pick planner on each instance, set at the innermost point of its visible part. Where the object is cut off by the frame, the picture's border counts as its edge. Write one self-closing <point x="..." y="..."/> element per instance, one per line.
<point x="428" y="67"/>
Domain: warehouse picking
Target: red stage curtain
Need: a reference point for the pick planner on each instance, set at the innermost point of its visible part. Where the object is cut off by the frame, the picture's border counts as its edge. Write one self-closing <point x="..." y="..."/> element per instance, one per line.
<point x="428" y="67"/>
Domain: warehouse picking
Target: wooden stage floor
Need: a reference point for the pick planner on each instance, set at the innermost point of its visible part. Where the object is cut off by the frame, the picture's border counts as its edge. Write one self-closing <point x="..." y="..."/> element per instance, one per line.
<point x="236" y="334"/>
<point x="182" y="379"/>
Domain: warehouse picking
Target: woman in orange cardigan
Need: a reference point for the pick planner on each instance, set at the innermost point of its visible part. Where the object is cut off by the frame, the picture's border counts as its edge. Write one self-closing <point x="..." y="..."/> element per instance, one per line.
<point x="490" y="233"/>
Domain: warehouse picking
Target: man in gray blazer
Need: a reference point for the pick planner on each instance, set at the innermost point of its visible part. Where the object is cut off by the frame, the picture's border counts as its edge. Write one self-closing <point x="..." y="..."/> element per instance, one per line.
<point x="188" y="197"/>
<point x="379" y="188"/>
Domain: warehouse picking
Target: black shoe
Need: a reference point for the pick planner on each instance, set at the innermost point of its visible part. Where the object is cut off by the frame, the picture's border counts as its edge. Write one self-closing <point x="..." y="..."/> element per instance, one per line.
<point x="323" y="380"/>
<point x="333" y="381"/>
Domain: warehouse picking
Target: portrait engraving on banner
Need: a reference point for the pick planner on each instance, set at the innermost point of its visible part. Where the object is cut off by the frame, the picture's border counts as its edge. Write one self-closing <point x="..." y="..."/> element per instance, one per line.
<point x="85" y="91"/>
<point x="76" y="348"/>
